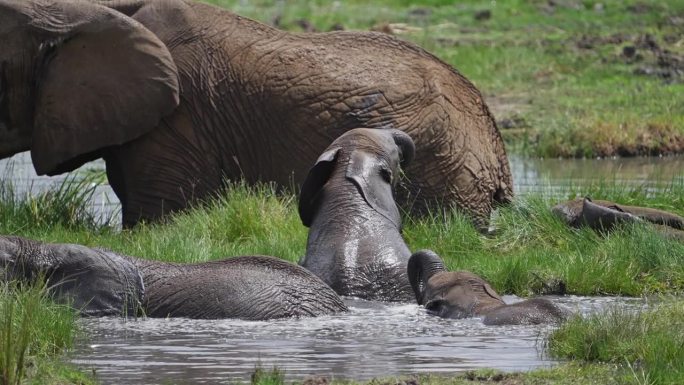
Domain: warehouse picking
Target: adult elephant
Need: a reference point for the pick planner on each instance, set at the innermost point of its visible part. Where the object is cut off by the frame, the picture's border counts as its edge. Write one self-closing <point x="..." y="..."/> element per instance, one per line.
<point x="176" y="96"/>
<point x="347" y="200"/>
<point x="100" y="283"/>
<point x="462" y="294"/>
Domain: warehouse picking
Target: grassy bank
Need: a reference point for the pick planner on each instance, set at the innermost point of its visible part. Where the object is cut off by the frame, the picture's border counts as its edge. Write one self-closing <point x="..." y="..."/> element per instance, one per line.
<point x="564" y="78"/>
<point x="533" y="251"/>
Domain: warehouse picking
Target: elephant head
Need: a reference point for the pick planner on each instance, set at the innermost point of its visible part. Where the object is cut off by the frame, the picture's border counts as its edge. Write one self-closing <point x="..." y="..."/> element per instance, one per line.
<point x="347" y="200"/>
<point x="95" y="282"/>
<point x="371" y="160"/>
<point x="462" y="294"/>
<point x="75" y="78"/>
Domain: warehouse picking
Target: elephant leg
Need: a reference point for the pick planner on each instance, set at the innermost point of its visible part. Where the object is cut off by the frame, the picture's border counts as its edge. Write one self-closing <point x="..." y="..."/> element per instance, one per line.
<point x="162" y="172"/>
<point x="529" y="312"/>
<point x="96" y="282"/>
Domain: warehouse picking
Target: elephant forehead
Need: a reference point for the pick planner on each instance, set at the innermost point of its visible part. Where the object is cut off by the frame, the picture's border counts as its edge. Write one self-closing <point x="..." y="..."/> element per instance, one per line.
<point x="377" y="141"/>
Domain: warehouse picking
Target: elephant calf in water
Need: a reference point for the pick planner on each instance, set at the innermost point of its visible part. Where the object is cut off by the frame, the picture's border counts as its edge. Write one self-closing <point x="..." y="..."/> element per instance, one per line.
<point x="100" y="283"/>
<point x="462" y="294"/>
<point x="347" y="200"/>
<point x="604" y="215"/>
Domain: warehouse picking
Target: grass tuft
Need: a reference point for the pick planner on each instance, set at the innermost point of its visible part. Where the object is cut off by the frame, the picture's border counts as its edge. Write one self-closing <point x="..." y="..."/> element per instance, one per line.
<point x="649" y="343"/>
<point x="32" y="328"/>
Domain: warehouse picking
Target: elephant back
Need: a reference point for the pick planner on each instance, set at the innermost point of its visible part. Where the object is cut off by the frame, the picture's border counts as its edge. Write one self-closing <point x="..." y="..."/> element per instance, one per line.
<point x="247" y="287"/>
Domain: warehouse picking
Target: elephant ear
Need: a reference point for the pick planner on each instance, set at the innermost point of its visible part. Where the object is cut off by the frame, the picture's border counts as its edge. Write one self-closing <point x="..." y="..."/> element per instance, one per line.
<point x="103" y="80"/>
<point x="315" y="180"/>
<point x="365" y="170"/>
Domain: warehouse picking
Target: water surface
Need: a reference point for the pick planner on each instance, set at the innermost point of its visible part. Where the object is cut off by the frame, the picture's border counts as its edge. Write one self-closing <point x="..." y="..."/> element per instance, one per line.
<point x="373" y="340"/>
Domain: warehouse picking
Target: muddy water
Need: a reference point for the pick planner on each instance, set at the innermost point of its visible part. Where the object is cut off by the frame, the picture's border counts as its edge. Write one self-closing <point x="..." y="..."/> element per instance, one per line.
<point x="373" y="340"/>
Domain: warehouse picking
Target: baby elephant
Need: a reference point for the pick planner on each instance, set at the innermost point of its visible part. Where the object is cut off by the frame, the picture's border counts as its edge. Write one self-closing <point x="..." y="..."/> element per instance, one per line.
<point x="604" y="215"/>
<point x="347" y="200"/>
<point x="462" y="294"/>
<point x="101" y="283"/>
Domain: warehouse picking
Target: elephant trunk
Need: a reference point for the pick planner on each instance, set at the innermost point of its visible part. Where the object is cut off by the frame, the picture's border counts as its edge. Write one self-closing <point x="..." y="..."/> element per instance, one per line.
<point x="406" y="147"/>
<point x="422" y="265"/>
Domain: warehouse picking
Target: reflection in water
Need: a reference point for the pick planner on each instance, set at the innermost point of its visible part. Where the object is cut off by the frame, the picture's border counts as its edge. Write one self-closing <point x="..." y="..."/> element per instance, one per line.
<point x="373" y="340"/>
<point x="551" y="176"/>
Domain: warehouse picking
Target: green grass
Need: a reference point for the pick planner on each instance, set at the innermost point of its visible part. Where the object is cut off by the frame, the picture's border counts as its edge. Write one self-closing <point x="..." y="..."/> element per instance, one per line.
<point x="532" y="252"/>
<point x="564" y="374"/>
<point x="649" y="343"/>
<point x="33" y="331"/>
<point x="559" y="69"/>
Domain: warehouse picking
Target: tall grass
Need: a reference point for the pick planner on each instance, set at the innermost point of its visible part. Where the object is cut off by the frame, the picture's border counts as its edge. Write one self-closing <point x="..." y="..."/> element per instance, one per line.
<point x="32" y="328"/>
<point x="648" y="343"/>
<point x="535" y="252"/>
<point x="66" y="206"/>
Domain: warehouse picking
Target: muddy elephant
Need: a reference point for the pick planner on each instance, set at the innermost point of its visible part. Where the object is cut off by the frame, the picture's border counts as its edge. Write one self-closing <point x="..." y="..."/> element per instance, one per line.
<point x="103" y="283"/>
<point x="347" y="200"/>
<point x="603" y="215"/>
<point x="178" y="96"/>
<point x="462" y="294"/>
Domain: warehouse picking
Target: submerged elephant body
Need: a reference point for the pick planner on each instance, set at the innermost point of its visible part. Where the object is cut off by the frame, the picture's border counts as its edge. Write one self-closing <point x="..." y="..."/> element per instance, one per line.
<point x="355" y="243"/>
<point x="177" y="95"/>
<point x="100" y="283"/>
<point x="462" y="294"/>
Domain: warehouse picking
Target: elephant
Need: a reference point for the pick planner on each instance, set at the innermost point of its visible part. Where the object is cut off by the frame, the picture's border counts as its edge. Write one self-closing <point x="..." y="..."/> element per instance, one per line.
<point x="179" y="96"/>
<point x="604" y="215"/>
<point x="462" y="294"/>
<point x="347" y="201"/>
<point x="99" y="282"/>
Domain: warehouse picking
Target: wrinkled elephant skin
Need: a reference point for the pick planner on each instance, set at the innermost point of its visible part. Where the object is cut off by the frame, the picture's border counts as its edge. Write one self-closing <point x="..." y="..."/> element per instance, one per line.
<point x="178" y="95"/>
<point x="355" y="243"/>
<point x="101" y="283"/>
<point x="462" y="294"/>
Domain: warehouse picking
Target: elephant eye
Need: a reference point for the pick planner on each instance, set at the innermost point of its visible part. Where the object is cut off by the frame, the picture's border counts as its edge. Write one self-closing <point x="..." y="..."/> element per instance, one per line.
<point x="386" y="175"/>
<point x="435" y="306"/>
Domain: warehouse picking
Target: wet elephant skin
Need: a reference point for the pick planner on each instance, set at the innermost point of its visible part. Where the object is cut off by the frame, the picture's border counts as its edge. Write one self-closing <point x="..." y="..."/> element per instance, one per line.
<point x="604" y="215"/>
<point x="100" y="283"/>
<point x="462" y="294"/>
<point x="355" y="243"/>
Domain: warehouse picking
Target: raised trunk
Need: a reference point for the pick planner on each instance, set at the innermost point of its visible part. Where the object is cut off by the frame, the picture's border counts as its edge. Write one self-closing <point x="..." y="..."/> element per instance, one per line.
<point x="422" y="265"/>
